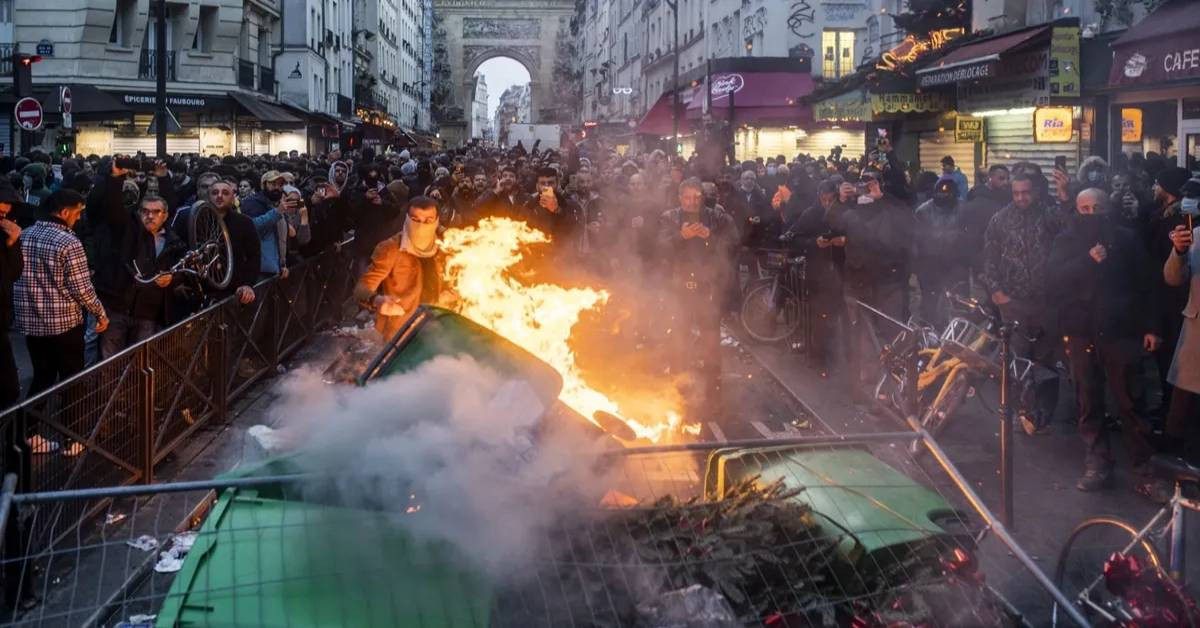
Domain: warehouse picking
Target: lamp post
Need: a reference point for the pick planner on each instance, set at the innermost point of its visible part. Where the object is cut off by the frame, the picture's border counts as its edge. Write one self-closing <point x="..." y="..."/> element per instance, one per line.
<point x="674" y="4"/>
<point x="160" y="69"/>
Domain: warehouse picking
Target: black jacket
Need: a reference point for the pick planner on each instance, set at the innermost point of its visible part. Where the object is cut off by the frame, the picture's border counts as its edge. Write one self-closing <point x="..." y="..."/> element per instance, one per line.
<point x="941" y="243"/>
<point x="878" y="241"/>
<point x="491" y="205"/>
<point x="119" y="242"/>
<point x="11" y="265"/>
<point x="247" y="252"/>
<point x="1112" y="298"/>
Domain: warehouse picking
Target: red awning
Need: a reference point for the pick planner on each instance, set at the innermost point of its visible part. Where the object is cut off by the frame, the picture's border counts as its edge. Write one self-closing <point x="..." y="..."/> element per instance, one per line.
<point x="756" y="96"/>
<point x="659" y="120"/>
<point x="976" y="60"/>
<point x="1160" y="49"/>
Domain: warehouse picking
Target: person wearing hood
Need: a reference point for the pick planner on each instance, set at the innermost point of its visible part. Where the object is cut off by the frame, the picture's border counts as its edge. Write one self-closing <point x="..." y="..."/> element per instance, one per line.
<point x="941" y="252"/>
<point x="34" y="175"/>
<point x="405" y="270"/>
<point x="1102" y="279"/>
<point x="339" y="175"/>
<point x="1092" y="173"/>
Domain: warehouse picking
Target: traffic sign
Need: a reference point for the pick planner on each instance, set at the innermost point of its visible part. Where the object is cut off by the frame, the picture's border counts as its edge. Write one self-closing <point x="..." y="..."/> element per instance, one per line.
<point x="28" y="113"/>
<point x="67" y="121"/>
<point x="65" y="99"/>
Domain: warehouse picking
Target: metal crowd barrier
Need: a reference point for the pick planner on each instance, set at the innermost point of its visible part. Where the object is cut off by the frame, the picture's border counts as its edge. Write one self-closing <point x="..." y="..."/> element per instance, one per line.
<point x="131" y="411"/>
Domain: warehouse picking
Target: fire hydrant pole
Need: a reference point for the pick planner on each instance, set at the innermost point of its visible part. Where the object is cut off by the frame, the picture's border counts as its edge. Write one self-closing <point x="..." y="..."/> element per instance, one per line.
<point x="1006" y="454"/>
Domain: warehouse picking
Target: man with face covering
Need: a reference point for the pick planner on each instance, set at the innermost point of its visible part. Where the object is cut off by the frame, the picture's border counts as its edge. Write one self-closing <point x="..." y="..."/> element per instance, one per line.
<point x="405" y="270"/>
<point x="1102" y="277"/>
<point x="696" y="244"/>
<point x="825" y="250"/>
<point x="941" y="251"/>
<point x="267" y="209"/>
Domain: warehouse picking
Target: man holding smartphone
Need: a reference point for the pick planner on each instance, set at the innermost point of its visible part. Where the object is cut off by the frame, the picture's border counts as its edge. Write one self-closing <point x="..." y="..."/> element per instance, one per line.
<point x="696" y="243"/>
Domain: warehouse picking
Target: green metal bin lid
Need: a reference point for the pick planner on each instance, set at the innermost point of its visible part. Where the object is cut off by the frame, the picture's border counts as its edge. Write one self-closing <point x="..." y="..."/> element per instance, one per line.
<point x="267" y="562"/>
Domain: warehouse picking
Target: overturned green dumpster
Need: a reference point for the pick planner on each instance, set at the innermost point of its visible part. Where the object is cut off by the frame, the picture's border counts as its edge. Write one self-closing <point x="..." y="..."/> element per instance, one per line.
<point x="764" y="535"/>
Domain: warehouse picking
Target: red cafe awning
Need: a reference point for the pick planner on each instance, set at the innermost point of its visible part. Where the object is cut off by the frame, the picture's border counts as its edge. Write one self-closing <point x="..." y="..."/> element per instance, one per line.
<point x="659" y="120"/>
<point x="757" y="97"/>
<point x="1161" y="49"/>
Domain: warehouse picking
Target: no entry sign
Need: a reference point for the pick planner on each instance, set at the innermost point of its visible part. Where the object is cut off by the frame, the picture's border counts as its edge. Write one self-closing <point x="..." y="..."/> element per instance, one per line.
<point x="65" y="99"/>
<point x="29" y="114"/>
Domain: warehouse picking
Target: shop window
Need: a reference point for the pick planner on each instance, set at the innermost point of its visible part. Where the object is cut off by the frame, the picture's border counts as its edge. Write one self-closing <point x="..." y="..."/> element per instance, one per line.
<point x="837" y="53"/>
<point x="206" y="29"/>
<point x="122" y="26"/>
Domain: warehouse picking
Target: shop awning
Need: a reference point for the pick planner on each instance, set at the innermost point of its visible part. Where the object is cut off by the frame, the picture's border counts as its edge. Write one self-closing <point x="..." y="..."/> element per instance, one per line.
<point x="659" y="119"/>
<point x="1160" y="49"/>
<point x="757" y="97"/>
<point x="88" y="103"/>
<point x="979" y="59"/>
<point x="266" y="113"/>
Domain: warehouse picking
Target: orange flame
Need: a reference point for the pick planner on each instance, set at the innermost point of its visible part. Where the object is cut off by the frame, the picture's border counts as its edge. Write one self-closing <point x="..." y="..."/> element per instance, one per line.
<point x="539" y="318"/>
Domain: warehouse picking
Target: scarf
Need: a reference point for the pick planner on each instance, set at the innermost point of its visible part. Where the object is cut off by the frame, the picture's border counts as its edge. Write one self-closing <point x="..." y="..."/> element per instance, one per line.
<point x="418" y="239"/>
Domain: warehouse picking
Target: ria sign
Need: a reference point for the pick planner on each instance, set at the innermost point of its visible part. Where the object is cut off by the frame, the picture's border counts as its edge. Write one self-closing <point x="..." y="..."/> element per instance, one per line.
<point x="727" y="84"/>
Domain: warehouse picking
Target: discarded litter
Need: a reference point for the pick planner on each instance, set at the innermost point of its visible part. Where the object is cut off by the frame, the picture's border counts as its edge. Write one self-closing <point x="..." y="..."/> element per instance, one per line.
<point x="144" y="542"/>
<point x="114" y="517"/>
<point x="171" y="560"/>
<point x="168" y="563"/>
<point x="138" y="621"/>
<point x="802" y="424"/>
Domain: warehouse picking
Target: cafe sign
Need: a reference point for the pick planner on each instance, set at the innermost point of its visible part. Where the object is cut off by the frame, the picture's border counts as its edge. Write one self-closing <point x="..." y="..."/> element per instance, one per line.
<point x="726" y="84"/>
<point x="1053" y="124"/>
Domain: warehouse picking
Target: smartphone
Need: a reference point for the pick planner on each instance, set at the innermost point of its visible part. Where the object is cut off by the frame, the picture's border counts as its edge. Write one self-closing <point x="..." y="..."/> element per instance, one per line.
<point x="1060" y="162"/>
<point x="882" y="133"/>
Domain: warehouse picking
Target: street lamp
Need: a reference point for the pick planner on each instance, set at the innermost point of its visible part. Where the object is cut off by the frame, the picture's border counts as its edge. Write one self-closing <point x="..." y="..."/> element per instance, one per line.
<point x="674" y="4"/>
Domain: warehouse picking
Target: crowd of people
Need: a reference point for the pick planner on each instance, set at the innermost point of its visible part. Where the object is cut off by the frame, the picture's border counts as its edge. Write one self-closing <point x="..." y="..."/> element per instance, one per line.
<point x="1094" y="267"/>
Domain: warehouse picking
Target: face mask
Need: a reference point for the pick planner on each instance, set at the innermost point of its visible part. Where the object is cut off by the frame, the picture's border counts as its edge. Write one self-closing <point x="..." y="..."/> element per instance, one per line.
<point x="274" y="195"/>
<point x="710" y="201"/>
<point x="1190" y="205"/>
<point x="1095" y="176"/>
<point x="771" y="170"/>
<point x="28" y="182"/>
<point x="422" y="237"/>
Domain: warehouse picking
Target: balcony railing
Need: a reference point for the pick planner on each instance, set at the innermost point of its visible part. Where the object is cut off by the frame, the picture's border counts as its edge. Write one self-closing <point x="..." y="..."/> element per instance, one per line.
<point x="148" y="64"/>
<point x="245" y="74"/>
<point x="266" y="79"/>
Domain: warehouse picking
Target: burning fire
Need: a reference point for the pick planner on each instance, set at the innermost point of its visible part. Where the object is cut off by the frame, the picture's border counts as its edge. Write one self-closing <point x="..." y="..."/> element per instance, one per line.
<point x="538" y="318"/>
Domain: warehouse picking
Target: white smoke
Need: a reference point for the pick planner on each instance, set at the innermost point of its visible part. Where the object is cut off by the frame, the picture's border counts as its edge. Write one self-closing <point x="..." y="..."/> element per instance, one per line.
<point x="459" y="440"/>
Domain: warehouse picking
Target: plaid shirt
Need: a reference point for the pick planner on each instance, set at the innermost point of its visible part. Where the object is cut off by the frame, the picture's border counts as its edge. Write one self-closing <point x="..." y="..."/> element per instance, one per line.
<point x="55" y="285"/>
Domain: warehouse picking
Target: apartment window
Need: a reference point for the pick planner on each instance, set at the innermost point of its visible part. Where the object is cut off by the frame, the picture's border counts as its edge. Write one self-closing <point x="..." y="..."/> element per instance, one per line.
<point x="264" y="47"/>
<point x="625" y="48"/>
<point x="206" y="29"/>
<point x="837" y="53"/>
<point x="6" y="11"/>
<point x="122" y="26"/>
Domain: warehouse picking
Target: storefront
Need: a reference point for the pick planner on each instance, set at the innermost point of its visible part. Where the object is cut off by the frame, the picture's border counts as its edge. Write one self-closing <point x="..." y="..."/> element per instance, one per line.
<point x="1018" y="83"/>
<point x="658" y="125"/>
<point x="1155" y="79"/>
<point x="765" y="108"/>
<point x="121" y="123"/>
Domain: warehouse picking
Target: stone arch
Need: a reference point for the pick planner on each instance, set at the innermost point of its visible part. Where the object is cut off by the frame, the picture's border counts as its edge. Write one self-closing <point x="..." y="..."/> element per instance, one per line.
<point x="528" y="31"/>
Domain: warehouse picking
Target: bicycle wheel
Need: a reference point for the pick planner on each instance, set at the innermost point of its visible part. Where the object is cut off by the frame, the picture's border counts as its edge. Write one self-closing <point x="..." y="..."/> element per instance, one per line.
<point x="1080" y="569"/>
<point x="208" y="234"/>
<point x="771" y="312"/>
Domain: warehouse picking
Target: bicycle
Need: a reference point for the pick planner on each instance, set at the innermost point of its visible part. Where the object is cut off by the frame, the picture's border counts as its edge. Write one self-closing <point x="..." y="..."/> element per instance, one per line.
<point x="774" y="307"/>
<point x="948" y="365"/>
<point x="209" y="258"/>
<point x="1114" y="571"/>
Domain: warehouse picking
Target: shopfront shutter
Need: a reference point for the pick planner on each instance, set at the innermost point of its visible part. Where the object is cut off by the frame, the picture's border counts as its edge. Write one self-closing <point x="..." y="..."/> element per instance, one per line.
<point x="819" y="143"/>
<point x="6" y="135"/>
<point x="1010" y="139"/>
<point x="245" y="142"/>
<point x="932" y="146"/>
<point x="262" y="144"/>
<point x="148" y="145"/>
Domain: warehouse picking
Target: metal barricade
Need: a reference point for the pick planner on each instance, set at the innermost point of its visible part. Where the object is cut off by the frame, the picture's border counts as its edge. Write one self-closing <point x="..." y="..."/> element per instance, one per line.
<point x="131" y="411"/>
